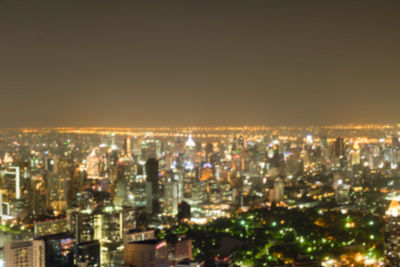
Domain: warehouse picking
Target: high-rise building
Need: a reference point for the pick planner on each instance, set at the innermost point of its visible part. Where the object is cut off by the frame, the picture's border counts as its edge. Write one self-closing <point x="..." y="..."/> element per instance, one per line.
<point x="152" y="186"/>
<point x="89" y="254"/>
<point x="209" y="151"/>
<point x="127" y="145"/>
<point x="392" y="235"/>
<point x="24" y="253"/>
<point x="324" y="141"/>
<point x="109" y="229"/>
<point x="339" y="147"/>
<point x="59" y="250"/>
<point x="171" y="196"/>
<point x="179" y="177"/>
<point x="395" y="142"/>
<point x="277" y="193"/>
<point x="189" y="153"/>
<point x="81" y="224"/>
<point x="184" y="211"/>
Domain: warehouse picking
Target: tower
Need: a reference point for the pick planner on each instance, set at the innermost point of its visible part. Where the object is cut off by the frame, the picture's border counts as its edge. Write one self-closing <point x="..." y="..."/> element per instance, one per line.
<point x="127" y="145"/>
<point x="189" y="153"/>
<point x="152" y="203"/>
<point x="339" y="147"/>
<point x="171" y="196"/>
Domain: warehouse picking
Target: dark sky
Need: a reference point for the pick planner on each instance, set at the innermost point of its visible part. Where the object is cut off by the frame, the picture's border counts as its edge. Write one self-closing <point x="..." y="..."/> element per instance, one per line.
<point x="181" y="63"/>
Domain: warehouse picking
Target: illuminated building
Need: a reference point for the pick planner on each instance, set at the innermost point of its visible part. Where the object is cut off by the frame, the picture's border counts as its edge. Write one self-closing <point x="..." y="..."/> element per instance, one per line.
<point x="121" y="186"/>
<point x="135" y="235"/>
<point x="24" y="253"/>
<point x="57" y="191"/>
<point x="39" y="196"/>
<point x="139" y="191"/>
<point x="16" y="173"/>
<point x="392" y="234"/>
<point x="179" y="249"/>
<point x="179" y="177"/>
<point x="147" y="253"/>
<point x="394" y="157"/>
<point x="128" y="219"/>
<point x="189" y="153"/>
<point x="7" y="159"/>
<point x="355" y="155"/>
<point x="93" y="164"/>
<point x="88" y="254"/>
<point x="342" y="193"/>
<point x="127" y="145"/>
<point x="109" y="230"/>
<point x="81" y="224"/>
<point x="171" y="196"/>
<point x="50" y="227"/>
<point x="59" y="250"/>
<point x="395" y="142"/>
<point x="189" y="178"/>
<point x="277" y="193"/>
<point x="303" y="170"/>
<point x="339" y="147"/>
<point x="209" y="151"/>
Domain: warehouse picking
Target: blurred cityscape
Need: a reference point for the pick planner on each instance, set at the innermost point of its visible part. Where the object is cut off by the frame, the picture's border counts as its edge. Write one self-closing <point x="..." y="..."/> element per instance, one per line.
<point x="224" y="196"/>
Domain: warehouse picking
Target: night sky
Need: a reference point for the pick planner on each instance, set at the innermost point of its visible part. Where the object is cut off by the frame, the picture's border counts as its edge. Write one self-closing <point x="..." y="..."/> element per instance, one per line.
<point x="194" y="63"/>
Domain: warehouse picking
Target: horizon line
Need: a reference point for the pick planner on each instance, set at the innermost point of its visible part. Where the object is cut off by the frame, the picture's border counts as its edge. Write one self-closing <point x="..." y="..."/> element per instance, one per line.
<point x="219" y="127"/>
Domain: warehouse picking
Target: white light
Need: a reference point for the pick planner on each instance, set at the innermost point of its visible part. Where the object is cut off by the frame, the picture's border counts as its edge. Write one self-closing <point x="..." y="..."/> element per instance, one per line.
<point x="309" y="139"/>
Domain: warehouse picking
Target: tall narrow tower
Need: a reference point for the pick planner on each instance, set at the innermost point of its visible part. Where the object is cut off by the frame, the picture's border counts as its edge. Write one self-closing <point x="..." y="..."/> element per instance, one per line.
<point x="152" y="203"/>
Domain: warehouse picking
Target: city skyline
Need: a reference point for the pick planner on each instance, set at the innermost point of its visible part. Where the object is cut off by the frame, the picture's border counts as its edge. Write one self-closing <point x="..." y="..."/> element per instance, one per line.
<point x="199" y="133"/>
<point x="183" y="64"/>
<point x="325" y="196"/>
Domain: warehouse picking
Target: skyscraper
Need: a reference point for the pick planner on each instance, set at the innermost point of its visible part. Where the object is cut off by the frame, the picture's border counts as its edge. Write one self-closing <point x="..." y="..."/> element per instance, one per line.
<point x="152" y="186"/>
<point x="339" y="147"/>
<point x="171" y="196"/>
<point x="189" y="153"/>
